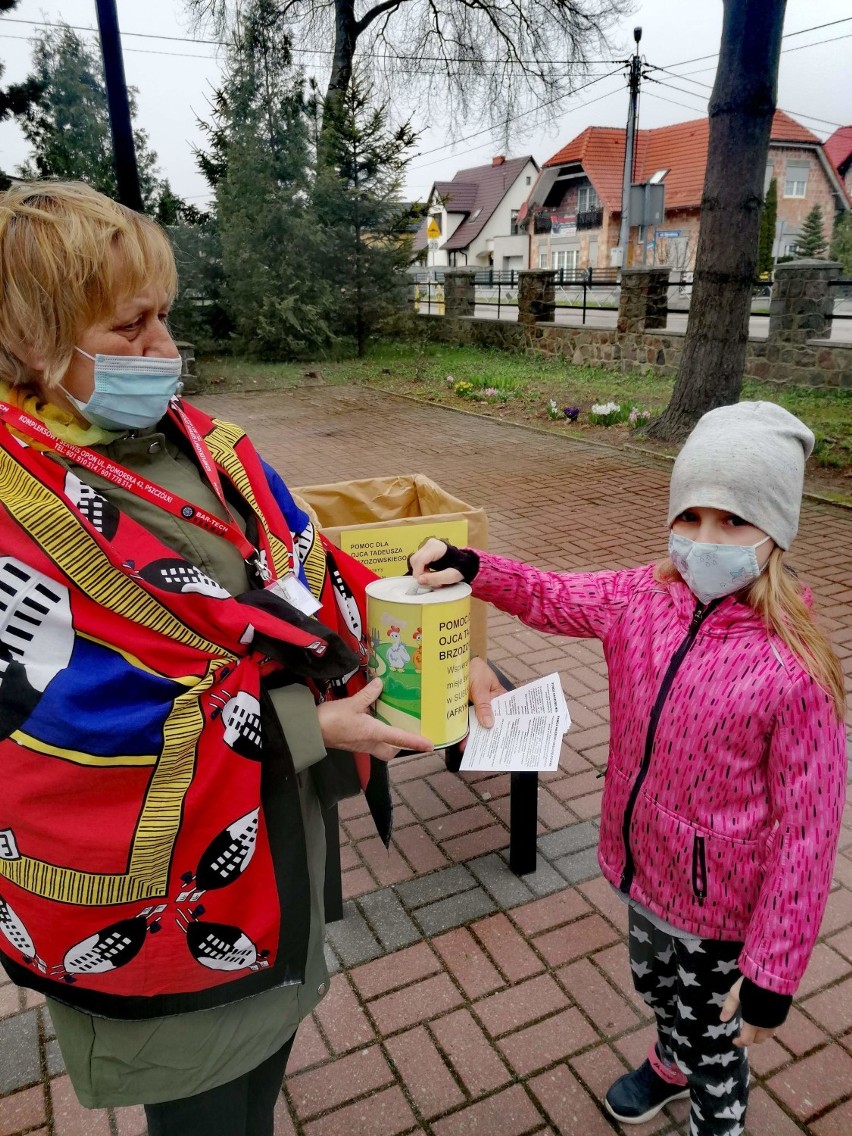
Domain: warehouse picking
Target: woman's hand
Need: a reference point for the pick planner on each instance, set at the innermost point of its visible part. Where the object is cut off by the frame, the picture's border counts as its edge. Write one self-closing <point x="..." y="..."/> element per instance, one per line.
<point x="749" y="1035"/>
<point x="349" y="724"/>
<point x="484" y="685"/>
<point x="420" y="560"/>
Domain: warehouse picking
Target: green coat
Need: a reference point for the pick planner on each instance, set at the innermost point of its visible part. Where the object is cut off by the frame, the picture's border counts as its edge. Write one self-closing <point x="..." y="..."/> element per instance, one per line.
<point x="116" y="1063"/>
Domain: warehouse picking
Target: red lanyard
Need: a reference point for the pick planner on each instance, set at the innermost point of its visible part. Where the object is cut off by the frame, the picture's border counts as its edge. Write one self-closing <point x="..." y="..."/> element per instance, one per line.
<point x="140" y="486"/>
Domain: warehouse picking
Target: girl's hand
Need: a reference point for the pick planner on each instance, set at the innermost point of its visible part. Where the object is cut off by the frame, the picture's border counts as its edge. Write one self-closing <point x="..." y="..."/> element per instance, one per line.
<point x="749" y="1035"/>
<point x="349" y="724"/>
<point x="420" y="560"/>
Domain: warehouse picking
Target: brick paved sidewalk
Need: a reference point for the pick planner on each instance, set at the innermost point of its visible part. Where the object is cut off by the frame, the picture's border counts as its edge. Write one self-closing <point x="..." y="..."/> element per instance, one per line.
<point x="466" y="1000"/>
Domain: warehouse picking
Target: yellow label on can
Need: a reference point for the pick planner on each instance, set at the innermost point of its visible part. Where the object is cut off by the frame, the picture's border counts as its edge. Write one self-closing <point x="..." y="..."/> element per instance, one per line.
<point x="421" y="651"/>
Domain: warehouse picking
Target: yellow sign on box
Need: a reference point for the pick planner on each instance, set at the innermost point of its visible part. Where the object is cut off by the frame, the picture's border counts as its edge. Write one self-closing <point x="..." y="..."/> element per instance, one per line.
<point x="385" y="550"/>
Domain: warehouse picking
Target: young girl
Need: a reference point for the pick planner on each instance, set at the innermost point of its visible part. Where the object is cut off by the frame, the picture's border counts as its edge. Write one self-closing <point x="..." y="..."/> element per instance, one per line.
<point x="727" y="765"/>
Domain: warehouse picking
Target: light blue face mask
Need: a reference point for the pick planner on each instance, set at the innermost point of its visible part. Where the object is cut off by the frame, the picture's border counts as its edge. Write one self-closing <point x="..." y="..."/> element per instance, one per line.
<point x="131" y="392"/>
<point x="711" y="571"/>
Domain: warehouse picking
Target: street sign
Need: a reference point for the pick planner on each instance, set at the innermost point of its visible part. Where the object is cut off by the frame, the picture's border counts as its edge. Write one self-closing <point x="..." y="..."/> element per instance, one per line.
<point x="667" y="234"/>
<point x="433" y="229"/>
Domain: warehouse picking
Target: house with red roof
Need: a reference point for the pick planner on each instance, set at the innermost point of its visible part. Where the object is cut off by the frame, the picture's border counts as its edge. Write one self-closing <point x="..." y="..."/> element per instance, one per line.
<point x="473" y="219"/>
<point x="574" y="211"/>
<point x="838" y="149"/>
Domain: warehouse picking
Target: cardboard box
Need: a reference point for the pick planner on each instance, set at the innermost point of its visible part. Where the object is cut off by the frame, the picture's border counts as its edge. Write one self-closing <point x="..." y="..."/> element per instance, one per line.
<point x="382" y="520"/>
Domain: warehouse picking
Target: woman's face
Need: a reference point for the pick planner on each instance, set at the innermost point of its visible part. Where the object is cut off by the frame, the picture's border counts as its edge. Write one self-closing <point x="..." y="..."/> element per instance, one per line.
<point x="715" y="526"/>
<point x="137" y="326"/>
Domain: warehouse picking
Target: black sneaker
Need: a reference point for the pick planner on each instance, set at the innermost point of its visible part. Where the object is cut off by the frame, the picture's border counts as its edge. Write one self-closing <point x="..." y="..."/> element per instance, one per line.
<point x="637" y="1096"/>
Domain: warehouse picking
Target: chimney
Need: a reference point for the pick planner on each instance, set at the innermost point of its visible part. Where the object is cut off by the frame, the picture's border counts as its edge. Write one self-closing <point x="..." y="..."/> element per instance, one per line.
<point x="499" y="160"/>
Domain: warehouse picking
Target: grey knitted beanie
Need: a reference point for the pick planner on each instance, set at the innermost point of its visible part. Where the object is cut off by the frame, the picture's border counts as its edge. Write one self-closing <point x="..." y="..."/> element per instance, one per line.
<point x="747" y="459"/>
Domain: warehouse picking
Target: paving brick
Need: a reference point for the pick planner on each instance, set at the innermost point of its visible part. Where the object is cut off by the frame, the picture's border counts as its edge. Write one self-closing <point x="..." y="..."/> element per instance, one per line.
<point x="342" y="1019"/>
<point x="456" y="824"/>
<point x="577" y="785"/>
<point x="550" y="1040"/>
<point x="507" y="947"/>
<point x="824" y="967"/>
<point x="351" y="938"/>
<point x="452" y="789"/>
<point x="615" y="964"/>
<point x="131" y="1121"/>
<point x="586" y="986"/>
<point x="767" y="1057"/>
<point x="21" y="1064"/>
<point x="587" y="807"/>
<point x="815" y="1082"/>
<point x="455" y="911"/>
<point x="283" y="1123"/>
<point x="552" y="911"/>
<point x="423" y="801"/>
<point x="832" y="1008"/>
<point x="470" y="1053"/>
<point x="842" y="942"/>
<point x="494" y="873"/>
<point x="579" y="866"/>
<point x="468" y="963"/>
<point x="551" y="812"/>
<point x="338" y="1082"/>
<point x="386" y="1113"/>
<point x="509" y="1113"/>
<point x="10" y="1003"/>
<point x="423" y="1071"/>
<point x="573" y="838"/>
<point x="22" y="1110"/>
<point x="417" y="1003"/>
<point x="419" y="849"/>
<point x="521" y="1004"/>
<point x="799" y="1034"/>
<point x="545" y="880"/>
<point x="838" y="911"/>
<point x="53" y="1058"/>
<point x="838" y="1122"/>
<point x="765" y="1118"/>
<point x="388" y="920"/>
<point x="480" y="843"/>
<point x="69" y="1116"/>
<point x="386" y="864"/>
<point x="392" y="971"/>
<point x="309" y="1047"/>
<point x="417" y="765"/>
<point x="449" y="881"/>
<point x="567" y="1104"/>
<point x="356" y="882"/>
<point x="601" y="893"/>
<point x="581" y="937"/>
<point x="597" y="1068"/>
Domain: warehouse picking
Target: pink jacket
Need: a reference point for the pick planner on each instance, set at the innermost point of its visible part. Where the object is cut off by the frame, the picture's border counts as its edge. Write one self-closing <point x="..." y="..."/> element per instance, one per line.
<point x="727" y="764"/>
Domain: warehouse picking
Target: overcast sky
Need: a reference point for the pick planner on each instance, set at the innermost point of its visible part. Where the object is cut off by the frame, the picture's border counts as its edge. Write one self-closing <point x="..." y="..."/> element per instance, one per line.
<point x="174" y="80"/>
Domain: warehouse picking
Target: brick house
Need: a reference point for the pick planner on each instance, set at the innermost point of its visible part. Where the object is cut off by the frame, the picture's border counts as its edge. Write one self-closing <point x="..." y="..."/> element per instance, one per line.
<point x="473" y="219"/>
<point x="838" y="149"/>
<point x="574" y="211"/>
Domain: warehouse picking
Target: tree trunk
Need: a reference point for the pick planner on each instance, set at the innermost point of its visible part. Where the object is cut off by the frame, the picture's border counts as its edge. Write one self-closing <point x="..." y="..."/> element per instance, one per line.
<point x="345" y="40"/>
<point x="741" y="108"/>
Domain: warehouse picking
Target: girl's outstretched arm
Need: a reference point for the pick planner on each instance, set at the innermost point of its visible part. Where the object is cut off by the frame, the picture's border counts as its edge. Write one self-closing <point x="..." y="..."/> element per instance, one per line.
<point x="582" y="604"/>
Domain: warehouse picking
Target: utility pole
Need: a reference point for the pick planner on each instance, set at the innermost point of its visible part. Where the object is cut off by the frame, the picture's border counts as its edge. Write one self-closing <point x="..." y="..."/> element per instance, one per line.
<point x="124" y="151"/>
<point x="630" y="146"/>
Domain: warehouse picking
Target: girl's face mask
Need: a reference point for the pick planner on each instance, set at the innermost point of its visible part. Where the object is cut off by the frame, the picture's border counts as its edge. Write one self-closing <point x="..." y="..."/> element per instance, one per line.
<point x="131" y="392"/>
<point x="711" y="571"/>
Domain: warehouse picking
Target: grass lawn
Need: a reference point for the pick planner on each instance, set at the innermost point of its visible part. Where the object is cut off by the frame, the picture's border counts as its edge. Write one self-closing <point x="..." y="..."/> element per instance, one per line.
<point x="525" y="389"/>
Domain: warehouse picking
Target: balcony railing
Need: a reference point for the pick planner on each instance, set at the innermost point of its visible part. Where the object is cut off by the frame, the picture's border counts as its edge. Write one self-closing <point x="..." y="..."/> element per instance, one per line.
<point x="591" y="219"/>
<point x="542" y="223"/>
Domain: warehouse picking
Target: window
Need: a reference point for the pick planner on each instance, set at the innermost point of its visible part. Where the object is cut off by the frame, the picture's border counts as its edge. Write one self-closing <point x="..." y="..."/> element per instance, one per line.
<point x="542" y="259"/>
<point x="587" y="199"/>
<point x="796" y="179"/>
<point x="565" y="259"/>
<point x="529" y="180"/>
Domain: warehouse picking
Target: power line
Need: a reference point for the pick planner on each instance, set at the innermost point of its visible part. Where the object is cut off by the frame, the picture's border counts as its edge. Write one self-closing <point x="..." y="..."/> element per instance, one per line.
<point x="696" y="95"/>
<point x="135" y="50"/>
<point x="787" y="35"/>
<point x="522" y="114"/>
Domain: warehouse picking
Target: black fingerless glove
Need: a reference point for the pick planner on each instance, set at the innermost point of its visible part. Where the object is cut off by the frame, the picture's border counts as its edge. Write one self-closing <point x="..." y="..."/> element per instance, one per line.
<point x="464" y="560"/>
<point x="763" y="1008"/>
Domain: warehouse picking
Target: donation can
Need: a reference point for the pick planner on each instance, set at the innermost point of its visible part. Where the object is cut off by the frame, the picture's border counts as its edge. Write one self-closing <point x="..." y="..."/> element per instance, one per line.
<point x="420" y="643"/>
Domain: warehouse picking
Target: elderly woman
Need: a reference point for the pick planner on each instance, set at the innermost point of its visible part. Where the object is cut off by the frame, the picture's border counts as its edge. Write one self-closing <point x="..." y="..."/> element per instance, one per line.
<point x="182" y="685"/>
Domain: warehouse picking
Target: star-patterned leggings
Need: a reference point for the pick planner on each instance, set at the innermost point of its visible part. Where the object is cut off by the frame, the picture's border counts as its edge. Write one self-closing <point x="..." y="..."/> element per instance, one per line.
<point x="685" y="982"/>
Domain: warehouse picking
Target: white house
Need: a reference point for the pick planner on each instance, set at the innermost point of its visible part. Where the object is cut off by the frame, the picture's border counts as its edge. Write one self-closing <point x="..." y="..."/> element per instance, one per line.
<point x="473" y="219"/>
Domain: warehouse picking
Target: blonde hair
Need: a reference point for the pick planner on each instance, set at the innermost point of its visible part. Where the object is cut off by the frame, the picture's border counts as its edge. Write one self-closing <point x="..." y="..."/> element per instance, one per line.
<point x="776" y="596"/>
<point x="68" y="257"/>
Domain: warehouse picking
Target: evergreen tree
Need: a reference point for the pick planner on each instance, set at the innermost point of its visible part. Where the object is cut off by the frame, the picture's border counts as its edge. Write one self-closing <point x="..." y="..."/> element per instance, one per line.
<point x="766" y="239"/>
<point x="811" y="241"/>
<point x="69" y="129"/>
<point x="260" y="163"/>
<point x="357" y="199"/>
<point x="841" y="242"/>
<point x="17" y="98"/>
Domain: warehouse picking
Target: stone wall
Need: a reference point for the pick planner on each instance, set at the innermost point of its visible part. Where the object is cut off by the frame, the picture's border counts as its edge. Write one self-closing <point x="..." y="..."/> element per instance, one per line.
<point x="801" y="306"/>
<point x="819" y="363"/>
